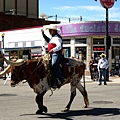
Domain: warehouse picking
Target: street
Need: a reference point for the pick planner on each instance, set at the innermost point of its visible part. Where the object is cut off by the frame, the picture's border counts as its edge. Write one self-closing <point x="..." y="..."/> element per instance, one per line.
<point x="18" y="103"/>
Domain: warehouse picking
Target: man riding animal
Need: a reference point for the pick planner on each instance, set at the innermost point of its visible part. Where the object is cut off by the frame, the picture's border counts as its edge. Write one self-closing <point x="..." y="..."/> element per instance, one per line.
<point x="55" y="49"/>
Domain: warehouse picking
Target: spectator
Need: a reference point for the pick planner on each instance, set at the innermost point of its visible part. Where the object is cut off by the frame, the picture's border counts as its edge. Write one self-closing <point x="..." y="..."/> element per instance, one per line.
<point x="102" y="68"/>
<point x="91" y="67"/>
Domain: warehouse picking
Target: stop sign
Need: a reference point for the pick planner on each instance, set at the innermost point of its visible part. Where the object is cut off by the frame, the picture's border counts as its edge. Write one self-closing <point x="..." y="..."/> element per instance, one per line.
<point x="107" y="3"/>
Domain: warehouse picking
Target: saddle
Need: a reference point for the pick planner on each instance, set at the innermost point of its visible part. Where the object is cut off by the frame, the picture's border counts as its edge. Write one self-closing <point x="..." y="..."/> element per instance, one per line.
<point x="52" y="78"/>
<point x="64" y="62"/>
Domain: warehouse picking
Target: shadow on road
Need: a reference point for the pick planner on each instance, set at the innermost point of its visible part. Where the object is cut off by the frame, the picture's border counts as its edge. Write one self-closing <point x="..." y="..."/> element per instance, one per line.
<point x="89" y="112"/>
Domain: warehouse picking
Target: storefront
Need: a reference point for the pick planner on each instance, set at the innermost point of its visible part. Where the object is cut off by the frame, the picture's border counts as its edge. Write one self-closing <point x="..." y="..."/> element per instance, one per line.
<point x="88" y="39"/>
<point x="81" y="40"/>
<point x="115" y="53"/>
<point x="23" y="43"/>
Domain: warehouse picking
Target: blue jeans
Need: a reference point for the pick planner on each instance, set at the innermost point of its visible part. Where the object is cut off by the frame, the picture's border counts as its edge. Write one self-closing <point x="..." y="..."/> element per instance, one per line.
<point x="56" y="57"/>
<point x="102" y="72"/>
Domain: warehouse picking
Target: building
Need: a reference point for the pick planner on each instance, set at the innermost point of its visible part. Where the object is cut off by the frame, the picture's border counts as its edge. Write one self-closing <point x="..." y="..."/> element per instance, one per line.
<point x="22" y="43"/>
<point x="86" y="39"/>
<point x="20" y="14"/>
<point x="81" y="40"/>
<point x="14" y="15"/>
<point x="9" y="21"/>
<point x="28" y="8"/>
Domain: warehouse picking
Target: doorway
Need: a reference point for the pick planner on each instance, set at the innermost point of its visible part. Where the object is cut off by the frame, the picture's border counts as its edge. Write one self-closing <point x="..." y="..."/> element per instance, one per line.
<point x="97" y="55"/>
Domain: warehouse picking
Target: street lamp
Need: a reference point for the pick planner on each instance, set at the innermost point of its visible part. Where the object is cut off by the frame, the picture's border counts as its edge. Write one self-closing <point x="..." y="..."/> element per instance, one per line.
<point x="3" y="35"/>
<point x="3" y="51"/>
<point x="53" y="16"/>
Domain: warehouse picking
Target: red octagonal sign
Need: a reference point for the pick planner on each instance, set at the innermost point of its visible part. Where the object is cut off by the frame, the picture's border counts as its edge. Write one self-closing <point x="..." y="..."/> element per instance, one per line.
<point x="107" y="3"/>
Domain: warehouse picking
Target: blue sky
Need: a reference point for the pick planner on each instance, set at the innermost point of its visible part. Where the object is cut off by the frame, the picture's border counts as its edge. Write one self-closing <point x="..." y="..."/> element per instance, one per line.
<point x="90" y="10"/>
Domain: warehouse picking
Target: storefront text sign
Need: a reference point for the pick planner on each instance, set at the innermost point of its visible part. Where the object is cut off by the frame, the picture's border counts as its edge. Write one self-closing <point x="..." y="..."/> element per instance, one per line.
<point x="89" y="28"/>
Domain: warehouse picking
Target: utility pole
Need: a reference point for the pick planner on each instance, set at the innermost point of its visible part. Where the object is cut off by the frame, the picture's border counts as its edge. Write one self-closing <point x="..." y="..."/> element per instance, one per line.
<point x="80" y="18"/>
<point x="107" y="4"/>
<point x="55" y="17"/>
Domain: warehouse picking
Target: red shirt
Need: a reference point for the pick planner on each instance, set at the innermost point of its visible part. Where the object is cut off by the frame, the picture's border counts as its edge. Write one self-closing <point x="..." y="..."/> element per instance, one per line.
<point x="51" y="46"/>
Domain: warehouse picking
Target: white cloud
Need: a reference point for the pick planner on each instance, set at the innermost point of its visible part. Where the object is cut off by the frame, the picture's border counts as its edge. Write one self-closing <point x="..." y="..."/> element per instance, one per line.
<point x="77" y="8"/>
<point x="89" y="13"/>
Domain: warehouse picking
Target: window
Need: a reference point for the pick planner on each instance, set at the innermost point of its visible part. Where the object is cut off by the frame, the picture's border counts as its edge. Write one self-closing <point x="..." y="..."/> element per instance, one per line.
<point x="116" y="40"/>
<point x="81" y="53"/>
<point x="16" y="44"/>
<point x="24" y="44"/>
<point x="66" y="52"/>
<point x="32" y="43"/>
<point x="98" y="41"/>
<point x="66" y="41"/>
<point x="115" y="57"/>
<point x="80" y="41"/>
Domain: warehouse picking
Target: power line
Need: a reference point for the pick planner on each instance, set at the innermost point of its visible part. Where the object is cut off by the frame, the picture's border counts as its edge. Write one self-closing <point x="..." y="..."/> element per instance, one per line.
<point x="70" y="18"/>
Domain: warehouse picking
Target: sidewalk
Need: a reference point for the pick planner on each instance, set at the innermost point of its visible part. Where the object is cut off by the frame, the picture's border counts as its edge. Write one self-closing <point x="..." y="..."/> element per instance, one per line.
<point x="115" y="79"/>
<point x="112" y="79"/>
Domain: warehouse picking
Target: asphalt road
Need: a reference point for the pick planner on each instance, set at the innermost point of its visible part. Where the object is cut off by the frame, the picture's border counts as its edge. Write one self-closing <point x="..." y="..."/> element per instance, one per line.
<point x="18" y="103"/>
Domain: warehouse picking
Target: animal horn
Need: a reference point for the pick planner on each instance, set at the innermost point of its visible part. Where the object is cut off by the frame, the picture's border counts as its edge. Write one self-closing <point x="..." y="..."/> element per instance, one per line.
<point x="16" y="63"/>
<point x="5" y="71"/>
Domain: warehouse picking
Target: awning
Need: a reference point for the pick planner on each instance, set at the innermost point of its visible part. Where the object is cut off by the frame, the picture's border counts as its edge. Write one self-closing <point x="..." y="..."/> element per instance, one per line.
<point x="23" y="48"/>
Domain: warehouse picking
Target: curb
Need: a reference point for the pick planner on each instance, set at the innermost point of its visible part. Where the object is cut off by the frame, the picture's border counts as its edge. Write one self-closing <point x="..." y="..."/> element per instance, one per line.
<point x="115" y="79"/>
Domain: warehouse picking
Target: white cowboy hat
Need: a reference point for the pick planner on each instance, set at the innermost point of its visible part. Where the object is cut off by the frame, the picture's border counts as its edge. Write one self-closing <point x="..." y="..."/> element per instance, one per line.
<point x="52" y="27"/>
<point x="103" y="55"/>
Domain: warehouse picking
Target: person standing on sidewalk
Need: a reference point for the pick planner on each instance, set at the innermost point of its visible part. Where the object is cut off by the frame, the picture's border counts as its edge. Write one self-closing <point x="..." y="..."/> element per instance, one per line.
<point x="102" y="68"/>
<point x="91" y="67"/>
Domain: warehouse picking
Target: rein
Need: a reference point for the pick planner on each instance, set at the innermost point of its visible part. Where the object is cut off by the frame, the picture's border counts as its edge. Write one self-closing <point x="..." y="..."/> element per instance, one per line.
<point x="1" y="59"/>
<point x="46" y="57"/>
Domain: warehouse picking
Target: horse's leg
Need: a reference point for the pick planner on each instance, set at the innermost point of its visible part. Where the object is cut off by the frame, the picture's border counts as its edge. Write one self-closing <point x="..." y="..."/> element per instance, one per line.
<point x="39" y="101"/>
<point x="72" y="96"/>
<point x="84" y="93"/>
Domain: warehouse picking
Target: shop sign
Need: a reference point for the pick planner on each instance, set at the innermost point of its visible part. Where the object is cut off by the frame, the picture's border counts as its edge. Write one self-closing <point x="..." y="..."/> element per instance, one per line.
<point x="107" y="3"/>
<point x="98" y="48"/>
<point x="90" y="28"/>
